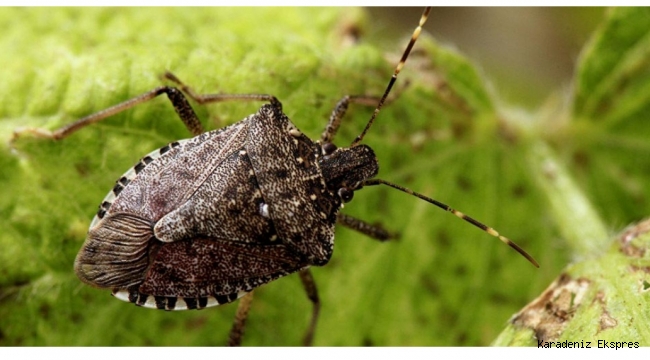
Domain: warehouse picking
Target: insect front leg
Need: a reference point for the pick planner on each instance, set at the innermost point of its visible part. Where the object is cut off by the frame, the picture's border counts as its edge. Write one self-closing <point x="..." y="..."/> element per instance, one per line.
<point x="339" y="111"/>
<point x="374" y="231"/>
<point x="239" y="324"/>
<point x="180" y="103"/>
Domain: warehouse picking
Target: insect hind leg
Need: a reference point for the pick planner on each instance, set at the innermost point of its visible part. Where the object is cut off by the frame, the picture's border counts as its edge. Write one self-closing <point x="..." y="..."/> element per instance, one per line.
<point x="182" y="107"/>
<point x="237" y="330"/>
<point x="312" y="293"/>
<point x="211" y="98"/>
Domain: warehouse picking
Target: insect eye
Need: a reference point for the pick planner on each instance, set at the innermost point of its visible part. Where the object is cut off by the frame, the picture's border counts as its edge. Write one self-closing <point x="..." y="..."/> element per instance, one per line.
<point x="346" y="194"/>
<point x="328" y="148"/>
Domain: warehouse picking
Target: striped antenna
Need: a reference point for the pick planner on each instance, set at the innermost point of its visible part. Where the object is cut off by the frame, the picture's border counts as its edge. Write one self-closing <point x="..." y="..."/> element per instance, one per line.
<point x="399" y="67"/>
<point x="470" y="220"/>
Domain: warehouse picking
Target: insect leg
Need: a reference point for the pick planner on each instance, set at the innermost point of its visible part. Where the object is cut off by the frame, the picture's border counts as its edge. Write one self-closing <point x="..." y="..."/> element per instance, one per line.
<point x="210" y="98"/>
<point x="339" y="111"/>
<point x="374" y="231"/>
<point x="312" y="294"/>
<point x="237" y="330"/>
<point x="182" y="107"/>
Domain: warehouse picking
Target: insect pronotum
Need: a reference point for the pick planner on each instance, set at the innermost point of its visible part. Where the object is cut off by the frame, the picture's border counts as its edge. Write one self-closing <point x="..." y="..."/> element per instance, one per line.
<point x="204" y="221"/>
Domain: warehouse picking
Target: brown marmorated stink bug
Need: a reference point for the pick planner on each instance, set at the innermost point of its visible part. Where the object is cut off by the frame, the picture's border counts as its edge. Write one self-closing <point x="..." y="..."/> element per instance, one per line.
<point x="204" y="221"/>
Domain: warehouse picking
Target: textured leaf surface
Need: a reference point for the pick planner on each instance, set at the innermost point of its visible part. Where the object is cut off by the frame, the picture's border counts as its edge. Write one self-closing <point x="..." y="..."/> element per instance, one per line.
<point x="599" y="179"/>
<point x="611" y="111"/>
<point x="600" y="302"/>
<point x="443" y="283"/>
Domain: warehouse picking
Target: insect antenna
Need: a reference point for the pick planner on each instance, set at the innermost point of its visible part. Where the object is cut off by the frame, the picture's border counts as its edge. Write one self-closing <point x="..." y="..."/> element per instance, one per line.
<point x="399" y="67"/>
<point x="478" y="224"/>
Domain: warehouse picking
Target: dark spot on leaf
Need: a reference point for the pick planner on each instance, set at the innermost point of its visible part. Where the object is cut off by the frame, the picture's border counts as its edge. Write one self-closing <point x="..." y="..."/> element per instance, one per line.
<point x="460" y="270"/>
<point x="44" y="310"/>
<point x="83" y="168"/>
<point x="498" y="298"/>
<point x="461" y="338"/>
<point x="75" y="318"/>
<point x="519" y="191"/>
<point x="581" y="159"/>
<point x="464" y="183"/>
<point x="430" y="285"/>
<point x="443" y="239"/>
<point x="196" y="323"/>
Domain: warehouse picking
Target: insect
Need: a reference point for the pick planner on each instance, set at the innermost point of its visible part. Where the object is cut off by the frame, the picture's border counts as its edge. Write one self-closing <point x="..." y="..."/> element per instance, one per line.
<point x="204" y="221"/>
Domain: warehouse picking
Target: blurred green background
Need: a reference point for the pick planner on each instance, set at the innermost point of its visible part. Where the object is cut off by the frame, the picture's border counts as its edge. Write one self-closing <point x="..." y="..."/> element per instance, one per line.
<point x="550" y="153"/>
<point x="526" y="52"/>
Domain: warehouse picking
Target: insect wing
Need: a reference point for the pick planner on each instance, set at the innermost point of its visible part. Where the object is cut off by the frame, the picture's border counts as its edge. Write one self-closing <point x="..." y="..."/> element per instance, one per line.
<point x="208" y="272"/>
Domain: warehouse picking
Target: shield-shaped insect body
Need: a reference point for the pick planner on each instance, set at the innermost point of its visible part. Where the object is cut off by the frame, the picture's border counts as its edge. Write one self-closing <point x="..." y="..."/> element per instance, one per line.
<point x="210" y="218"/>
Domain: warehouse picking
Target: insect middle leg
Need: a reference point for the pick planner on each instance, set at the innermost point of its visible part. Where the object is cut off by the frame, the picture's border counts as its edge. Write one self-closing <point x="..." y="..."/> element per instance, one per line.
<point x="375" y="231"/>
<point x="237" y="330"/>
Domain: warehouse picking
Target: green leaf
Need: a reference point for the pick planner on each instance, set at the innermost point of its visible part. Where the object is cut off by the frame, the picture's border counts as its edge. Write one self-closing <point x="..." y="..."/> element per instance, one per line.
<point x="443" y="282"/>
<point x="600" y="303"/>
<point x="598" y="178"/>
<point x="607" y="140"/>
<point x="612" y="77"/>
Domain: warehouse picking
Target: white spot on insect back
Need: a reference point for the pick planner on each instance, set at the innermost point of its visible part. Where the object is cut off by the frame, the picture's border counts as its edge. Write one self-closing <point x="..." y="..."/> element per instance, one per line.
<point x="264" y="210"/>
<point x="294" y="132"/>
